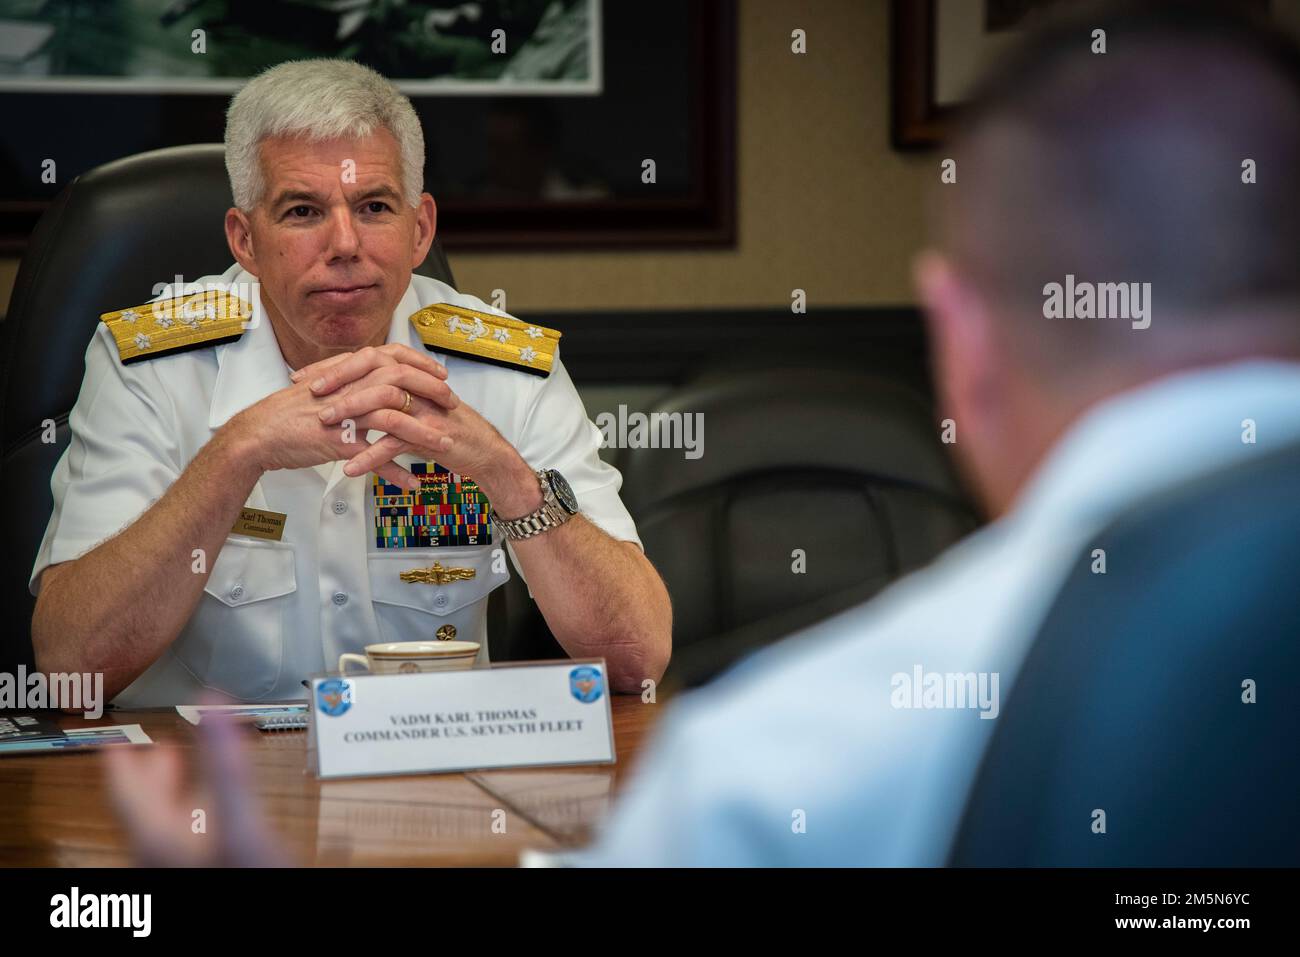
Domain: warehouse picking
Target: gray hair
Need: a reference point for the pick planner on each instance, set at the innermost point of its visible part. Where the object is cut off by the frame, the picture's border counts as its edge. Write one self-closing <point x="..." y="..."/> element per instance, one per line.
<point x="318" y="100"/>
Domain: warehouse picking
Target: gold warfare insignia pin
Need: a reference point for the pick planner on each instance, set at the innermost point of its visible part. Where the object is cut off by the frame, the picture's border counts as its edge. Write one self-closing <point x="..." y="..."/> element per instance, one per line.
<point x="437" y="575"/>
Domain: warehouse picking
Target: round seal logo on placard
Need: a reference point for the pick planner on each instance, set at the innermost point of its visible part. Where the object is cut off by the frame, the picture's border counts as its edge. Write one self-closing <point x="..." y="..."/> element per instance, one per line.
<point x="334" y="696"/>
<point x="586" y="683"/>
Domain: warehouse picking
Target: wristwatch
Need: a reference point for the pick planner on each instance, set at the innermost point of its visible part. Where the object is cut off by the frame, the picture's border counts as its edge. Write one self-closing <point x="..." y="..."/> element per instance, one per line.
<point x="558" y="506"/>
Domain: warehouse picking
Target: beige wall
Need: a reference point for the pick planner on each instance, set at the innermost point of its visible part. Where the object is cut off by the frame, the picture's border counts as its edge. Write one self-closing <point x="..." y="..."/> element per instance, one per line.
<point x="824" y="204"/>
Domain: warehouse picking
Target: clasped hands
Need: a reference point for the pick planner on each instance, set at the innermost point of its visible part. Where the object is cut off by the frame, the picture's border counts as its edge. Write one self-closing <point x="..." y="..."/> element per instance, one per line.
<point x="326" y="415"/>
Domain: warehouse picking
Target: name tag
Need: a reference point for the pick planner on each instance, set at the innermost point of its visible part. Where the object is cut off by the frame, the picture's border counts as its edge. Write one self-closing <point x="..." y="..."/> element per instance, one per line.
<point x="259" y="524"/>
<point x="505" y="716"/>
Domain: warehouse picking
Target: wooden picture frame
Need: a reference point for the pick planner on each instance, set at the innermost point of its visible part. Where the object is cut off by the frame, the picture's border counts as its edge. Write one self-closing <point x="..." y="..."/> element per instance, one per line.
<point x="938" y="49"/>
<point x="703" y="120"/>
<point x="917" y="122"/>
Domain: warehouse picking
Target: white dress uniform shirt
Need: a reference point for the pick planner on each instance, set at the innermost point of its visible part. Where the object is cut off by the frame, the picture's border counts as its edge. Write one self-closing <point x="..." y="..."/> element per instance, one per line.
<point x="798" y="756"/>
<point x="274" y="612"/>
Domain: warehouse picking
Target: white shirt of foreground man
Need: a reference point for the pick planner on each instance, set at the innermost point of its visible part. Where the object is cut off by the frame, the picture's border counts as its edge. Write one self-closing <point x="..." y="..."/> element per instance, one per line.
<point x="274" y="612"/>
<point x="799" y="757"/>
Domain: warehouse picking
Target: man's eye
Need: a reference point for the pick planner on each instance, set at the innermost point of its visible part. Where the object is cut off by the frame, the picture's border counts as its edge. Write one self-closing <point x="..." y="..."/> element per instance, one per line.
<point x="300" y="212"/>
<point x="376" y="206"/>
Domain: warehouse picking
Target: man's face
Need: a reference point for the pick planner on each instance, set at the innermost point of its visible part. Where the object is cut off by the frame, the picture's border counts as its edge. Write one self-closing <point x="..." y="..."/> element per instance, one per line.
<point x="331" y="240"/>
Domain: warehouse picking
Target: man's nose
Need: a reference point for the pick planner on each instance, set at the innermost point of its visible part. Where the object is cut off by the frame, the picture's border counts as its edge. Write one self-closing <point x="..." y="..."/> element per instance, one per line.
<point x="343" y="239"/>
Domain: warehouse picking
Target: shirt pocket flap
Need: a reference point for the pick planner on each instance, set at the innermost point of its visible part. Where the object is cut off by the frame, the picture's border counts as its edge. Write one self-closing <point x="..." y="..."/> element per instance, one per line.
<point x="249" y="571"/>
<point x="387" y="586"/>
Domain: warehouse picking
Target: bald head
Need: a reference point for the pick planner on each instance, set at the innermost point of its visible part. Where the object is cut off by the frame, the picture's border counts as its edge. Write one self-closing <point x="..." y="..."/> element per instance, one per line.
<point x="1127" y="167"/>
<point x="1116" y="217"/>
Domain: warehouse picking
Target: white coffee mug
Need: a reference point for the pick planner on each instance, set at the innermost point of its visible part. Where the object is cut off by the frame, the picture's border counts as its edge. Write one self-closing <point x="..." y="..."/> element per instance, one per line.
<point x="408" y="657"/>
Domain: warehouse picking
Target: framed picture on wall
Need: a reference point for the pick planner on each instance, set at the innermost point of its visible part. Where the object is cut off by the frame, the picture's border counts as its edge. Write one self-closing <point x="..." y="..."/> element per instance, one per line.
<point x="595" y="124"/>
<point x="939" y="48"/>
<point x="489" y="47"/>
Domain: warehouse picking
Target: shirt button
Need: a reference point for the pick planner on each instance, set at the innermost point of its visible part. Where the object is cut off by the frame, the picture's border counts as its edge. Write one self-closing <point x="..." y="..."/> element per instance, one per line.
<point x="340" y="598"/>
<point x="237" y="593"/>
<point x="441" y="601"/>
<point x="340" y="507"/>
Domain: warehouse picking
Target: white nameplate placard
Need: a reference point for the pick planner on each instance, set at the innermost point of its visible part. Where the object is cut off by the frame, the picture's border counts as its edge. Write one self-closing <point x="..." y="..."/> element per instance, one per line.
<point x="505" y="716"/>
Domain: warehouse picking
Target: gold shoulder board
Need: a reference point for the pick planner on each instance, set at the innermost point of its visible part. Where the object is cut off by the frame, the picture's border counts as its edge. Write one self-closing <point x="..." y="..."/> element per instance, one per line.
<point x="165" y="326"/>
<point x="499" y="340"/>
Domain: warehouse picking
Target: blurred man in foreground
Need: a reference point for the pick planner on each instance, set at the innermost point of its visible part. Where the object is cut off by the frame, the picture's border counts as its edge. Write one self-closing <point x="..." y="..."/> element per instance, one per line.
<point x="1112" y="292"/>
<point x="1111" y="295"/>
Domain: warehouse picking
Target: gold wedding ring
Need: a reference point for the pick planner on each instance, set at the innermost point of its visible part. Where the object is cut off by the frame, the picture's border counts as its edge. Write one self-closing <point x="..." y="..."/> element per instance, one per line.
<point x="406" y="406"/>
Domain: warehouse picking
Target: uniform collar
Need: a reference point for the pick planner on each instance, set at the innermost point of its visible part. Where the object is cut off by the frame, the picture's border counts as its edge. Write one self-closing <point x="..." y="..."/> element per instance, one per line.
<point x="252" y="367"/>
<point x="422" y="292"/>
<point x="1169" y="430"/>
<point x="401" y="330"/>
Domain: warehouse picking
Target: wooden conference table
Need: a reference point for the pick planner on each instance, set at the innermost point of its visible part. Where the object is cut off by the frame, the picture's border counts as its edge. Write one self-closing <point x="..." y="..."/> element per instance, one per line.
<point x="55" y="810"/>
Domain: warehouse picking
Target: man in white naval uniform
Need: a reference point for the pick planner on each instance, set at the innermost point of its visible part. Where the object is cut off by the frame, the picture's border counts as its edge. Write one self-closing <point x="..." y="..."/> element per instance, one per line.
<point x="191" y="413"/>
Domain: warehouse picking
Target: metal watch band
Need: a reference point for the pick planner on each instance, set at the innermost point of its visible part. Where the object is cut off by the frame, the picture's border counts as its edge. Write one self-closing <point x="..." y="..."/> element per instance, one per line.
<point x="550" y="515"/>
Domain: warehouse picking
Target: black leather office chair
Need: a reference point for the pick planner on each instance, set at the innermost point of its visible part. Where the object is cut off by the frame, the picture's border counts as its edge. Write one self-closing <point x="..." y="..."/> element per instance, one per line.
<point x="844" y="465"/>
<point x="1131" y="698"/>
<point x="108" y="238"/>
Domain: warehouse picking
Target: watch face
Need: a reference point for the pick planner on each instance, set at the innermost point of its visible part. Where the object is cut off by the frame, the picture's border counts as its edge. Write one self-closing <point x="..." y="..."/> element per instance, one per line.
<point x="562" y="491"/>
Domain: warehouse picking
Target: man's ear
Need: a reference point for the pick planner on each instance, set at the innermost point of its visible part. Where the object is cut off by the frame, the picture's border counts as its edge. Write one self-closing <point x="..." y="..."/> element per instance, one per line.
<point x="959" y="323"/>
<point x="239" y="237"/>
<point x="426" y="227"/>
